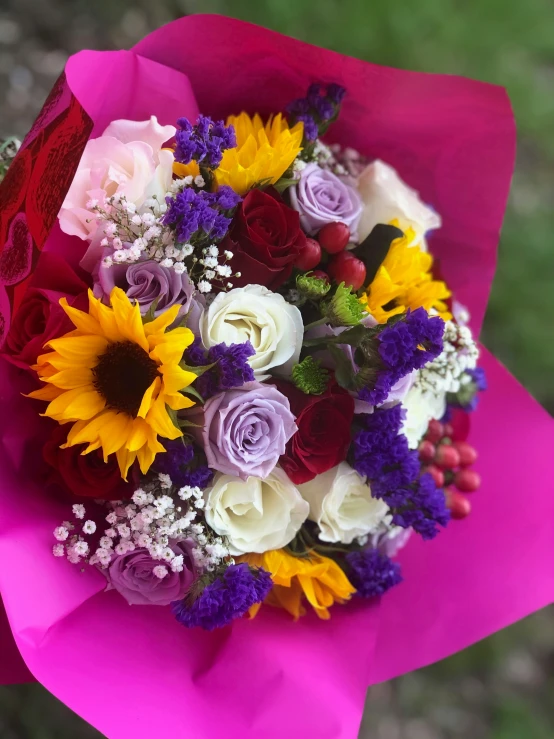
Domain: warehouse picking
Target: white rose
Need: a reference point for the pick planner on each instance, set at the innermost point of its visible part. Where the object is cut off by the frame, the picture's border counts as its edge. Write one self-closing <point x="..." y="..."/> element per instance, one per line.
<point x="421" y="406"/>
<point x="255" y="515"/>
<point x="342" y="505"/>
<point x="255" y="314"/>
<point x="386" y="197"/>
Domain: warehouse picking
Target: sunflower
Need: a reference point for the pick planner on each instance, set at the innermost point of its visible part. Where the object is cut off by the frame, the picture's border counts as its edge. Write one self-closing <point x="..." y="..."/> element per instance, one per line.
<point x="318" y="579"/>
<point x="404" y="280"/>
<point x="263" y="152"/>
<point x="114" y="379"/>
<point x="181" y="170"/>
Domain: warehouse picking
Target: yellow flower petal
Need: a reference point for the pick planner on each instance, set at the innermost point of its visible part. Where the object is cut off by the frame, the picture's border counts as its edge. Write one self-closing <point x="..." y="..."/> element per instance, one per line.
<point x="128" y="318"/>
<point x="71" y="377"/>
<point x="82" y="321"/>
<point x="263" y="152"/>
<point x="404" y="281"/>
<point x="175" y="378"/>
<point x="76" y="404"/>
<point x="83" y="350"/>
<point x="178" y="402"/>
<point x="316" y="578"/>
<point x="48" y="392"/>
<point x="125" y="459"/>
<point x="170" y="347"/>
<point x="149" y="397"/>
<point x="162" y="322"/>
<point x="158" y="418"/>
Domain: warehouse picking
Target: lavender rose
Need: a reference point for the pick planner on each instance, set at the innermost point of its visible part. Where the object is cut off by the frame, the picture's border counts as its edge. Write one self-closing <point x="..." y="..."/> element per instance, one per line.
<point x="144" y="581"/>
<point x="321" y="197"/>
<point x="246" y="430"/>
<point x="145" y="282"/>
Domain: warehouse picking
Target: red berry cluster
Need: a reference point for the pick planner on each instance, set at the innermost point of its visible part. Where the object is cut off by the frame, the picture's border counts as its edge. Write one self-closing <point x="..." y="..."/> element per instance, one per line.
<point x="448" y="461"/>
<point x="343" y="266"/>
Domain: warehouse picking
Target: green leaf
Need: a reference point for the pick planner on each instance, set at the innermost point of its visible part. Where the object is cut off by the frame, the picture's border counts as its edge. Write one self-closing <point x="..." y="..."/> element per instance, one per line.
<point x="284" y="183"/>
<point x="344" y="371"/>
<point x="149" y="316"/>
<point x="198" y="371"/>
<point x="192" y="391"/>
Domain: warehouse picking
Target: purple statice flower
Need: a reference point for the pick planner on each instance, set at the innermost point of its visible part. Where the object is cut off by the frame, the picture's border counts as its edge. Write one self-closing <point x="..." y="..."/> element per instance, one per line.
<point x="195" y="354"/>
<point x="311" y="129"/>
<point x="225" y="198"/>
<point x="423" y="508"/>
<point x="185" y="464"/>
<point x="404" y="345"/>
<point x="322" y="105"/>
<point x="204" y="142"/>
<point x="201" y="215"/>
<point x="479" y="378"/>
<point x="319" y="107"/>
<point x="336" y="93"/>
<point x="381" y="453"/>
<point x="372" y="573"/>
<point x="227" y="597"/>
<point x="231" y="368"/>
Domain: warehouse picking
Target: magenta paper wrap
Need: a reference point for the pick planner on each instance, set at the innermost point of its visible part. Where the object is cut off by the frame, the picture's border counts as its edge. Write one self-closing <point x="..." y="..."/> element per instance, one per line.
<point x="132" y="671"/>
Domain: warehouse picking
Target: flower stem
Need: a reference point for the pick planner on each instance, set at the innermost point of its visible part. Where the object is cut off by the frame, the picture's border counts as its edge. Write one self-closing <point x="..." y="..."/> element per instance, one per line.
<point x="319" y="322"/>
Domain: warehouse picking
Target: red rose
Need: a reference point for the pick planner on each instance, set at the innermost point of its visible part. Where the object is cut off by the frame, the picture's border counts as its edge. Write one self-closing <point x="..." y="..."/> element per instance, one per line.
<point x="265" y="238"/>
<point x="84" y="475"/>
<point x="323" y="435"/>
<point x="40" y="317"/>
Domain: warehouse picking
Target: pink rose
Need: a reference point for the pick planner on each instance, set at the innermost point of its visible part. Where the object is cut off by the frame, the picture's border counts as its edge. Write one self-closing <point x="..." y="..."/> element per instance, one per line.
<point x="127" y="159"/>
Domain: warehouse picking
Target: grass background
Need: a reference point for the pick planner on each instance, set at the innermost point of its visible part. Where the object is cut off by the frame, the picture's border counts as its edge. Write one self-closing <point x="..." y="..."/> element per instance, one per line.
<point x="503" y="687"/>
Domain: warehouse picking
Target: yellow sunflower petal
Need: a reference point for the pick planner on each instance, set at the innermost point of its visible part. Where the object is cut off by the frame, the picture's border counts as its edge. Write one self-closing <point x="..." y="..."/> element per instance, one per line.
<point x="149" y="397"/>
<point x="125" y="459"/>
<point x="162" y="322"/>
<point x="175" y="378"/>
<point x="159" y="420"/>
<point x="82" y="321"/>
<point x="76" y="404"/>
<point x="69" y="379"/>
<point x="169" y="348"/>
<point x="137" y="436"/>
<point x="128" y="318"/>
<point x="83" y="350"/>
<point x="145" y="458"/>
<point x="178" y="402"/>
<point x="48" y="392"/>
<point x="115" y="434"/>
<point x="105" y="317"/>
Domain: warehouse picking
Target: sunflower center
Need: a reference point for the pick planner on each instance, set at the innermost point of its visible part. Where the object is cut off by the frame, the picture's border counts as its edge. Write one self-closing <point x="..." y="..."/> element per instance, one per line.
<point x="123" y="374"/>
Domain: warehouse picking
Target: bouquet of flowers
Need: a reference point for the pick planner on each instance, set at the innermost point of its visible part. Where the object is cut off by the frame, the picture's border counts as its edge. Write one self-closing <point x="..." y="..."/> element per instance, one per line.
<point x="247" y="357"/>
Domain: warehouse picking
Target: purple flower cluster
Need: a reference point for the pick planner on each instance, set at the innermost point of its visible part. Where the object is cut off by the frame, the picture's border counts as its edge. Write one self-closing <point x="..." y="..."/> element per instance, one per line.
<point x="204" y="142"/>
<point x="479" y="378"/>
<point x="381" y="453"/>
<point x="230" y="370"/>
<point x="317" y="109"/>
<point x="404" y="345"/>
<point x="372" y="573"/>
<point x="226" y="598"/>
<point x="204" y="215"/>
<point x="467" y="397"/>
<point x="185" y="465"/>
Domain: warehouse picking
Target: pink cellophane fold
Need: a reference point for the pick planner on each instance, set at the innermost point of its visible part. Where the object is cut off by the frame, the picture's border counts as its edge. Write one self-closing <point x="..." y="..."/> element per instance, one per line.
<point x="132" y="671"/>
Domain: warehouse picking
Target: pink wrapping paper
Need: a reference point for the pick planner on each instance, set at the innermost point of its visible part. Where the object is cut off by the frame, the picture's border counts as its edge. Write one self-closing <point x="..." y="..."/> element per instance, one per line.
<point x="133" y="671"/>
